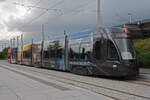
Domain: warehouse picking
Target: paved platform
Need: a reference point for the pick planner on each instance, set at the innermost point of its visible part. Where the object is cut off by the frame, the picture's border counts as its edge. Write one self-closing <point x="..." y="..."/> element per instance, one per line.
<point x="16" y="85"/>
<point x="144" y="71"/>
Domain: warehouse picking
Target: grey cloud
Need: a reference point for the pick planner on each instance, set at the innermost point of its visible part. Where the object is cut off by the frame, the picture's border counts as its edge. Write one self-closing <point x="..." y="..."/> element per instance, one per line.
<point x="75" y="15"/>
<point x="2" y="0"/>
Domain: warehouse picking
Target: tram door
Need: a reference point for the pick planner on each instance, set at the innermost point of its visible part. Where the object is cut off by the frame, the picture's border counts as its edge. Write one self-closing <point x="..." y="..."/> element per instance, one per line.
<point x="56" y="55"/>
<point x="52" y="54"/>
<point x="97" y="50"/>
<point x="46" y="57"/>
<point x="14" y="55"/>
<point x="98" y="53"/>
<point x="59" y="55"/>
<point x="112" y="57"/>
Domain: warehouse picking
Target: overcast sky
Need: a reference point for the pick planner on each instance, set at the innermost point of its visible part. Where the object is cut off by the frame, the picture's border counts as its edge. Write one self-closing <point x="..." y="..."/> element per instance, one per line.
<point x="71" y="15"/>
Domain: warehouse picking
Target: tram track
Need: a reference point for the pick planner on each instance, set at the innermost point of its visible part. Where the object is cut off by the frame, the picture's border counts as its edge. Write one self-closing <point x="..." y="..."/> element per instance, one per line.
<point x="58" y="81"/>
<point x="109" y="89"/>
<point x="87" y="85"/>
<point x="140" y="82"/>
<point x="144" y="81"/>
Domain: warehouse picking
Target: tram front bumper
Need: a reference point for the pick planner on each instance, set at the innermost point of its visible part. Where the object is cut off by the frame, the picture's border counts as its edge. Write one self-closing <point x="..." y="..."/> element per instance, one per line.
<point x="126" y="72"/>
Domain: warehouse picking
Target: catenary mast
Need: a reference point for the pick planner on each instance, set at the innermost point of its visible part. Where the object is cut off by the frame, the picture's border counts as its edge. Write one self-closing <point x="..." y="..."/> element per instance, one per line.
<point x="99" y="19"/>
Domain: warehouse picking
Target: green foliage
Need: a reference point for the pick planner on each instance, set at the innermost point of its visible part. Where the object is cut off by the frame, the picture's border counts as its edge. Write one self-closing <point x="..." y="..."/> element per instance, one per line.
<point x="4" y="53"/>
<point x="143" y="49"/>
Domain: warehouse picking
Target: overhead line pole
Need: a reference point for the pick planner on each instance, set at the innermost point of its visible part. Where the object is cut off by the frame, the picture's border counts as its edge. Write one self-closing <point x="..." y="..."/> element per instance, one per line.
<point x="21" y="48"/>
<point x="130" y="16"/>
<point x="17" y="41"/>
<point x="66" y="49"/>
<point x="14" y="40"/>
<point x="17" y="48"/>
<point x="43" y="37"/>
<point x="32" y="46"/>
<point x="99" y="19"/>
<point x="10" y="43"/>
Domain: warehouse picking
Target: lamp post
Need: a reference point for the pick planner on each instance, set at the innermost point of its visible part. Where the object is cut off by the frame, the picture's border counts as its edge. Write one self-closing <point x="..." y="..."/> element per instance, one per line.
<point x="130" y="17"/>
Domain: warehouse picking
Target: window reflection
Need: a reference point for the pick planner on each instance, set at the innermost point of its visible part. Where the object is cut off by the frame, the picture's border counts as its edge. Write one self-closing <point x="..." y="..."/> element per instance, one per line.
<point x="97" y="50"/>
<point x="80" y="50"/>
<point x="54" y="50"/>
<point x="111" y="51"/>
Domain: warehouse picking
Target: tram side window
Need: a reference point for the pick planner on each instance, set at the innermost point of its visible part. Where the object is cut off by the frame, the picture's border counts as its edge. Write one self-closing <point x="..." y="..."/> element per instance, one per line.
<point x="46" y="54"/>
<point x="55" y="50"/>
<point x="14" y="53"/>
<point x="26" y="54"/>
<point x="74" y="51"/>
<point x="59" y="52"/>
<point x="52" y="52"/>
<point x="71" y="53"/>
<point x="97" y="50"/>
<point x="85" y="51"/>
<point x="112" y="53"/>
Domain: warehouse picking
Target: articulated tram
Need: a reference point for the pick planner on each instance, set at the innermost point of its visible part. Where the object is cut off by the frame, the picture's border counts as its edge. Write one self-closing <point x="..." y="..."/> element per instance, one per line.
<point x="103" y="51"/>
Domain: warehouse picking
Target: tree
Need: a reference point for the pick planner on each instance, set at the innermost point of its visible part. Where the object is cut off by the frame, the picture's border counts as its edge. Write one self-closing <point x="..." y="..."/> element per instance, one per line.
<point x="4" y="53"/>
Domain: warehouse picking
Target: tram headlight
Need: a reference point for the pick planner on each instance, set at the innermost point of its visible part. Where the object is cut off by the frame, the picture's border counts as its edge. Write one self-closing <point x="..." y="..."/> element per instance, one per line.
<point x="115" y="66"/>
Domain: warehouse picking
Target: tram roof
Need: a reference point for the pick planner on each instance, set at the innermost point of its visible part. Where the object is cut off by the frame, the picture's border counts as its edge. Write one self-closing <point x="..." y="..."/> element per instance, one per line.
<point x="80" y="34"/>
<point x="75" y="35"/>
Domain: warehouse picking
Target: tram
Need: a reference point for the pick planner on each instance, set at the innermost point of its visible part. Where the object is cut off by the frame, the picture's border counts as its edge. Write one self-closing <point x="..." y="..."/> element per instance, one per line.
<point x="103" y="51"/>
<point x="12" y="55"/>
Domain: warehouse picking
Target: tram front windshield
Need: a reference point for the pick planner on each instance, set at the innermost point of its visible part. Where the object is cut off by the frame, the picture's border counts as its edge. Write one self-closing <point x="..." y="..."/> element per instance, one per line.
<point x="126" y="48"/>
